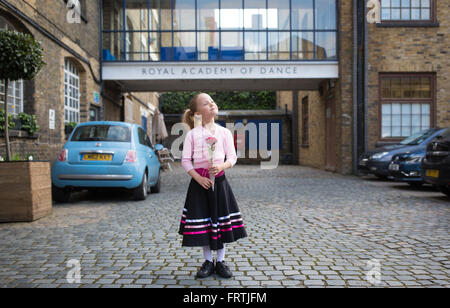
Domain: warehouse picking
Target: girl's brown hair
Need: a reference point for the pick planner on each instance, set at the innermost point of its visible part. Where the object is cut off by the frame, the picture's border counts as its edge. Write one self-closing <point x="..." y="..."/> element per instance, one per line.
<point x="188" y="116"/>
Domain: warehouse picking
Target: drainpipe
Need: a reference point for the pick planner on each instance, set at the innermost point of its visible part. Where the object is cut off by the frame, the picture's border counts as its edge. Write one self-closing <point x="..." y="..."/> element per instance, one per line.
<point x="366" y="80"/>
<point x="355" y="86"/>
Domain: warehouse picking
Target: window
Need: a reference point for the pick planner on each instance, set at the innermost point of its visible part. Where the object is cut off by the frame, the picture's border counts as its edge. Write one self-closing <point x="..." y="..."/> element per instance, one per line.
<point x="407" y="104"/>
<point x="220" y="30"/>
<point x="71" y="92"/>
<point x="305" y="121"/>
<point x="142" y="135"/>
<point x="407" y="10"/>
<point x="15" y="88"/>
<point x="105" y="133"/>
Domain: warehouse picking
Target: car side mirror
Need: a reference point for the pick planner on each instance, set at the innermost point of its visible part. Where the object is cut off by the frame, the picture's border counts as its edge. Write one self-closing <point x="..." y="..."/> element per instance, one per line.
<point x="159" y="147"/>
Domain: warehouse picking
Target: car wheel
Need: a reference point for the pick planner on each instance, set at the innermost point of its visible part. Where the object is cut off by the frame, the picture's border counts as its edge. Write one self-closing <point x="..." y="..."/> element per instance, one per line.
<point x="140" y="192"/>
<point x="445" y="190"/>
<point x="60" y="195"/>
<point x="157" y="188"/>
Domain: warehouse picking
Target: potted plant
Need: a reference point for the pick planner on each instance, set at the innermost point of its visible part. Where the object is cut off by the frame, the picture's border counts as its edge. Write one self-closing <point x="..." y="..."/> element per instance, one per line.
<point x="25" y="185"/>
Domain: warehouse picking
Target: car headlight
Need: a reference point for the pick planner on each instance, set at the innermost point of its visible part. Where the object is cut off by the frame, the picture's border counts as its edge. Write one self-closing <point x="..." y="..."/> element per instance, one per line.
<point x="379" y="155"/>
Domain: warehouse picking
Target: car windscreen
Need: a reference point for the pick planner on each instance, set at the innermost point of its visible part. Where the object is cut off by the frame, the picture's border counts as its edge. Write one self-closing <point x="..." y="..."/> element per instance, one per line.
<point x="105" y="133"/>
<point x="418" y="138"/>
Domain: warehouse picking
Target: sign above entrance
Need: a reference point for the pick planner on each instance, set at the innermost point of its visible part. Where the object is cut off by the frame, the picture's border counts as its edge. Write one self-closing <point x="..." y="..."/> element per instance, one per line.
<point x="219" y="70"/>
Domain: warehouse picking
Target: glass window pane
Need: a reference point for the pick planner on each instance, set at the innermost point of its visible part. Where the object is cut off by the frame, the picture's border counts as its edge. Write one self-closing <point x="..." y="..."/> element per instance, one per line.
<point x="166" y="47"/>
<point x="406" y="3"/>
<point x="395" y="14"/>
<point x="255" y="14"/>
<point x="302" y="45"/>
<point x="114" y="10"/>
<point x="386" y="120"/>
<point x="325" y="45"/>
<point x="406" y="131"/>
<point x="406" y="120"/>
<point x="137" y="47"/>
<point x="137" y="15"/>
<point x="184" y="46"/>
<point x="231" y="15"/>
<point x="396" y="131"/>
<point x="278" y="14"/>
<point x="113" y="46"/>
<point x="425" y="3"/>
<point x="396" y="109"/>
<point x="386" y="109"/>
<point x="396" y="120"/>
<point x="184" y="15"/>
<point x="302" y="15"/>
<point x="386" y="131"/>
<point x="425" y="14"/>
<point x="395" y="3"/>
<point x="279" y="44"/>
<point x="232" y="46"/>
<point x="208" y="45"/>
<point x="416" y="109"/>
<point x="396" y="88"/>
<point x="426" y="121"/>
<point x="406" y="109"/>
<point x="406" y="14"/>
<point x="386" y="13"/>
<point x="208" y="14"/>
<point x="166" y="15"/>
<point x="325" y="14"/>
<point x="154" y="47"/>
<point x="255" y="46"/>
<point x="386" y="87"/>
<point x="155" y="14"/>
<point x="415" y="3"/>
<point x="425" y="109"/>
<point x="416" y="129"/>
<point x="386" y="3"/>
<point x="415" y="14"/>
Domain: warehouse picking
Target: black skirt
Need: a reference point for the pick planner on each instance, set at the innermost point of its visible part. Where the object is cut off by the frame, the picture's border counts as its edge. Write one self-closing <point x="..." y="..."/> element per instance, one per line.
<point x="211" y="218"/>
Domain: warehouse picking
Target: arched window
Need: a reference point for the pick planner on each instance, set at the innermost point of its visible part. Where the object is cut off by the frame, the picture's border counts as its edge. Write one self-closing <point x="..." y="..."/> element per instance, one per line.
<point x="71" y="92"/>
<point x="15" y="88"/>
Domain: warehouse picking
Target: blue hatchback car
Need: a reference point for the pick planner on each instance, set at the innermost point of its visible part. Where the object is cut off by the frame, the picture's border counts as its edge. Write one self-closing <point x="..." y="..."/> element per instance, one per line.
<point x="107" y="154"/>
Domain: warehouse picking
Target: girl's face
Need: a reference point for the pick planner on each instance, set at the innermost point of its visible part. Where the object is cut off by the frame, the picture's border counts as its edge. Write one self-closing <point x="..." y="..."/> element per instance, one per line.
<point x="206" y="107"/>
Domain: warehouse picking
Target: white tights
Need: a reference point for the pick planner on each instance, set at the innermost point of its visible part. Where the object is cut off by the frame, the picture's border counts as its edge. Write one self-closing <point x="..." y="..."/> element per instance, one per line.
<point x="208" y="253"/>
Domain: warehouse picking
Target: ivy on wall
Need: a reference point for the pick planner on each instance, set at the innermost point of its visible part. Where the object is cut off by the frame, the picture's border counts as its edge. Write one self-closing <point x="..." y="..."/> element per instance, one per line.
<point x="177" y="102"/>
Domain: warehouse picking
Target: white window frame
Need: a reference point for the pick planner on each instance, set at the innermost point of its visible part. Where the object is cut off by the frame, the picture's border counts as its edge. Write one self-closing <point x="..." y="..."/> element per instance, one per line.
<point x="71" y="92"/>
<point x="15" y="88"/>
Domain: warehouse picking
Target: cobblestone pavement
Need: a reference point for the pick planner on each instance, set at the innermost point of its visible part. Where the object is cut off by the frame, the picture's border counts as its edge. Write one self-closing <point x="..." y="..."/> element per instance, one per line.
<point x="307" y="228"/>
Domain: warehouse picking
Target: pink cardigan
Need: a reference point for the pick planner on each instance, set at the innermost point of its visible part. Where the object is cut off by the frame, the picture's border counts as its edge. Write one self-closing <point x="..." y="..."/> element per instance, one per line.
<point x="195" y="148"/>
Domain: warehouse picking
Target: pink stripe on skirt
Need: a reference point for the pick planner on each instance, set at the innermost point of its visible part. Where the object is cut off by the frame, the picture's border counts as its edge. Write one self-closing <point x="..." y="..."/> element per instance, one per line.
<point x="205" y="172"/>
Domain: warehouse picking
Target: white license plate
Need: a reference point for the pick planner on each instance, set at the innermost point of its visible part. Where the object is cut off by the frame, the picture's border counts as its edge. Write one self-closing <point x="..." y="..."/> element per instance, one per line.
<point x="363" y="163"/>
<point x="394" y="167"/>
<point x="373" y="168"/>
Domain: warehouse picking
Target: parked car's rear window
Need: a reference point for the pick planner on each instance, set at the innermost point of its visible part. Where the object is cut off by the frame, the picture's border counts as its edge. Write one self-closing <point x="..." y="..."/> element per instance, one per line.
<point x="112" y="133"/>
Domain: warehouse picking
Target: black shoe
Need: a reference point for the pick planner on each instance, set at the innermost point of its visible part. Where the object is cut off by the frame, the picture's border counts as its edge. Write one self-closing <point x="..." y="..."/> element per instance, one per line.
<point x="223" y="270"/>
<point x="206" y="270"/>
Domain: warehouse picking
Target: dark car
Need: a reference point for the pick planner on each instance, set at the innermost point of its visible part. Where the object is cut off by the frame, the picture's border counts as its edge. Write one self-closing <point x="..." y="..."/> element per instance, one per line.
<point x="377" y="161"/>
<point x="436" y="164"/>
<point x="406" y="167"/>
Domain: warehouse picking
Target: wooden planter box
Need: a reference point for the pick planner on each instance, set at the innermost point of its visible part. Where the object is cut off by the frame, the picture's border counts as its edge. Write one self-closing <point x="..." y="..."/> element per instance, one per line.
<point x="25" y="191"/>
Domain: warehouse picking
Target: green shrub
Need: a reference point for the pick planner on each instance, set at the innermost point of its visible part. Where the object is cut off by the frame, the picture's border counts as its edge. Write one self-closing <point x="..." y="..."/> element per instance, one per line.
<point x="177" y="102"/>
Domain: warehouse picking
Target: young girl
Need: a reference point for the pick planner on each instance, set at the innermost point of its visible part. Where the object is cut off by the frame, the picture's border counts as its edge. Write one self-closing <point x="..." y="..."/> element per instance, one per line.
<point x="211" y="215"/>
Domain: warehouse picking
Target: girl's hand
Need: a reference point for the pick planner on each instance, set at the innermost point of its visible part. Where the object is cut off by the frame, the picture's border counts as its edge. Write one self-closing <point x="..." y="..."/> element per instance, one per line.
<point x="215" y="169"/>
<point x="204" y="182"/>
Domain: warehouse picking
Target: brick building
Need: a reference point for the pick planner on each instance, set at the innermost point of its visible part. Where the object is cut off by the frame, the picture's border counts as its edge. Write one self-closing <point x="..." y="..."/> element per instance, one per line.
<point x="69" y="86"/>
<point x="399" y="87"/>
